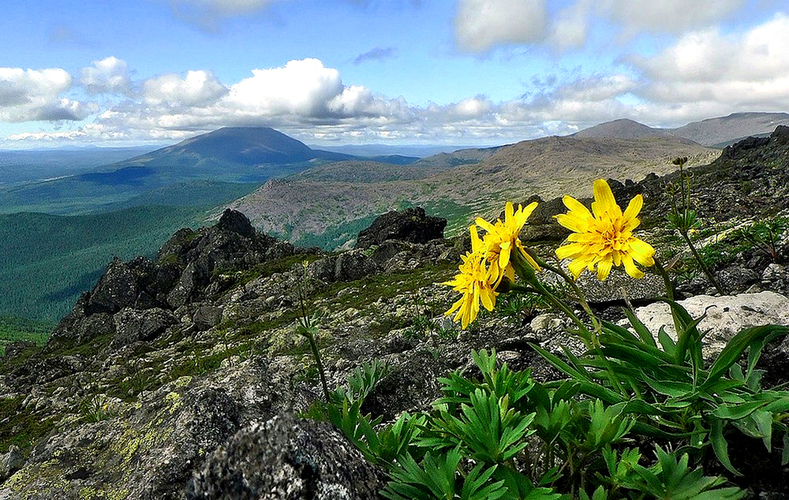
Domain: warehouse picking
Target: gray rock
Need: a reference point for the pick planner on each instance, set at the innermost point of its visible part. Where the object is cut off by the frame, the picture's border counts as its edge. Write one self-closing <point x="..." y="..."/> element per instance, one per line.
<point x="10" y="462"/>
<point x="619" y="286"/>
<point x="411" y="225"/>
<point x="186" y="287"/>
<point x="116" y="289"/>
<point x="286" y="458"/>
<point x="354" y="265"/>
<point x="132" y="325"/>
<point x="206" y="316"/>
<point x="725" y="316"/>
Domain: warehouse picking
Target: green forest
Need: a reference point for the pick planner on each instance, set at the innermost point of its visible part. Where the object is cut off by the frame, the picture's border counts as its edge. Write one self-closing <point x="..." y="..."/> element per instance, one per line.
<point x="49" y="260"/>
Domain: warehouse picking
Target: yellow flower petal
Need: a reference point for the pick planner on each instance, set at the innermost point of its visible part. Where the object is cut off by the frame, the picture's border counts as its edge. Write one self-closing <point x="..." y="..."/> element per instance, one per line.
<point x="603" y="238"/>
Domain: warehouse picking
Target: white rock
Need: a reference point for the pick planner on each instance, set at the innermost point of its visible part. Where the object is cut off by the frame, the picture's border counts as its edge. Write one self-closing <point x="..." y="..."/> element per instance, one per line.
<point x="726" y="316"/>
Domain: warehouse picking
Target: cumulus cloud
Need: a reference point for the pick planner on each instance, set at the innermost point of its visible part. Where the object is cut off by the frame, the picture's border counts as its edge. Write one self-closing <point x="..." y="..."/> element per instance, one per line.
<point x="748" y="68"/>
<point x="481" y="25"/>
<point x="30" y="95"/>
<point x="376" y="54"/>
<point x="197" y="88"/>
<point x="667" y="16"/>
<point x="108" y="75"/>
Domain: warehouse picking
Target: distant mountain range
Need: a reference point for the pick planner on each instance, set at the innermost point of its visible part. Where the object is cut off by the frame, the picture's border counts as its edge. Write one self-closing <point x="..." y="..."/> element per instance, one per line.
<point x="327" y="207"/>
<point x="310" y="196"/>
<point x="233" y="155"/>
<point x="714" y="132"/>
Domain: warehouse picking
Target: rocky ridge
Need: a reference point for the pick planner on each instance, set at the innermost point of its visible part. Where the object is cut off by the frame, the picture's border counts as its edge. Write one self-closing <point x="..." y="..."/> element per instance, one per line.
<point x="180" y="377"/>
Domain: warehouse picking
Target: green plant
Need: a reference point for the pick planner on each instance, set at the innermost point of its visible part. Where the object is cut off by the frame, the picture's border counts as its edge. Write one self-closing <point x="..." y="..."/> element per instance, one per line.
<point x="307" y="328"/>
<point x="683" y="218"/>
<point x="95" y="408"/>
<point x="765" y="235"/>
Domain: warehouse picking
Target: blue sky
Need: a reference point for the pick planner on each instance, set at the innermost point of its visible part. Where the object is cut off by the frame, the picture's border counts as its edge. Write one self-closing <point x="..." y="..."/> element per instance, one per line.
<point x="123" y="72"/>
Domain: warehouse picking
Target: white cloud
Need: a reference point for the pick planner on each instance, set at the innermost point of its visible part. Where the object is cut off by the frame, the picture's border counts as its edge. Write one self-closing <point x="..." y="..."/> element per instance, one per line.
<point x="226" y="7"/>
<point x="198" y="88"/>
<point x="747" y="69"/>
<point x="481" y="25"/>
<point x="300" y="87"/>
<point x="108" y="75"/>
<point x="31" y="95"/>
<point x="570" y="26"/>
<point x="667" y="16"/>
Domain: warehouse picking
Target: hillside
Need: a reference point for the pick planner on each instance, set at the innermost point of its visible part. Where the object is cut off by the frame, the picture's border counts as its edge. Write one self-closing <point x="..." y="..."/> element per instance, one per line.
<point x="330" y="213"/>
<point x="723" y="131"/>
<point x="185" y="376"/>
<point x="230" y="155"/>
<point x="714" y="132"/>
<point x="49" y="260"/>
<point x="621" y="129"/>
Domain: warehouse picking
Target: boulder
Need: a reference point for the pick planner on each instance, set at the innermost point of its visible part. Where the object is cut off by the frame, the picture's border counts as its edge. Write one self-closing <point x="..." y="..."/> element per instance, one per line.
<point x="236" y="222"/>
<point x="725" y="316"/>
<point x="132" y="325"/>
<point x="288" y="459"/>
<point x="117" y="288"/>
<point x="206" y="316"/>
<point x="411" y="225"/>
<point x="353" y="265"/>
<point x="10" y="462"/>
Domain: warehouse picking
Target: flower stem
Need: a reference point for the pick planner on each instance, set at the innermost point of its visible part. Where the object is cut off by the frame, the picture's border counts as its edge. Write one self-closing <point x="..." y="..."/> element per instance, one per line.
<point x="666" y="279"/>
<point x="701" y="262"/>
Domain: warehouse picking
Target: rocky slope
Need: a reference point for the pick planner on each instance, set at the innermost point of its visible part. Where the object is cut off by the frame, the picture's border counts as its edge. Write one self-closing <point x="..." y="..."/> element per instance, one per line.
<point x="300" y="206"/>
<point x="180" y="377"/>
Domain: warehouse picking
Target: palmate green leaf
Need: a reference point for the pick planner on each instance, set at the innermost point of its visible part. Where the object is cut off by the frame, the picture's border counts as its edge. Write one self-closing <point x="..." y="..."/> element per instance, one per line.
<point x="736" y="347"/>
<point x="520" y="487"/>
<point x="477" y="486"/>
<point x="607" y="425"/>
<point x="502" y="381"/>
<point x="672" y="478"/>
<point x="433" y="479"/>
<point x="491" y="430"/>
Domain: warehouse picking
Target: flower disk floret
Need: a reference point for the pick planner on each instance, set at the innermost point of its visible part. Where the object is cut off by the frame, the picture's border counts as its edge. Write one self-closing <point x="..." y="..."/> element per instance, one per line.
<point x="603" y="238"/>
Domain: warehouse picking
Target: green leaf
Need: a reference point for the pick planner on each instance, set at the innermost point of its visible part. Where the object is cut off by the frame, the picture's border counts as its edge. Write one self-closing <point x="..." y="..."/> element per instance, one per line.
<point x="736" y="412"/>
<point x="669" y="387"/>
<point x="669" y="347"/>
<point x="737" y="345"/>
<point x="642" y="331"/>
<point x="785" y="452"/>
<point x="720" y="446"/>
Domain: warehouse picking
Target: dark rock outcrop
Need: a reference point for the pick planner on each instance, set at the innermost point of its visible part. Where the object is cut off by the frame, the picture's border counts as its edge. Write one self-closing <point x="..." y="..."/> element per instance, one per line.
<point x="288" y="459"/>
<point x="184" y="268"/>
<point x="411" y="225"/>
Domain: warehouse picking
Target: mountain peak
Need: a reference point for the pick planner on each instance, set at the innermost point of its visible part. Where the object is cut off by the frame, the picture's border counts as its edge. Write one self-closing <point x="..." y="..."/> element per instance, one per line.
<point x="623" y="128"/>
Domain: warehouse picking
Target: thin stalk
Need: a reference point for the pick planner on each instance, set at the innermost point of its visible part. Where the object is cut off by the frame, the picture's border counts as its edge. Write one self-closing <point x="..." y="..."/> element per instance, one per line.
<point x="316" y="353"/>
<point x="666" y="279"/>
<point x="579" y="294"/>
<point x="701" y="262"/>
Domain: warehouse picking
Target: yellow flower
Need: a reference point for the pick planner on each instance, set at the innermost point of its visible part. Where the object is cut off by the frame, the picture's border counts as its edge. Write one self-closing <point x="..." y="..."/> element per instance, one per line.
<point x="502" y="237"/>
<point x="474" y="282"/>
<point x="604" y="239"/>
